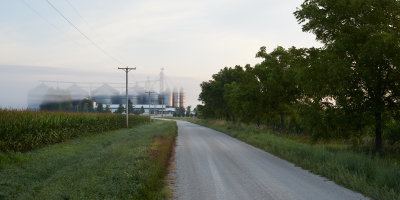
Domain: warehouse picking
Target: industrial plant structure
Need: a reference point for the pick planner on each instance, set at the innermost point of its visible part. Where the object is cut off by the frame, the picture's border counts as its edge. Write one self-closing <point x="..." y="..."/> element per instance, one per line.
<point x="153" y="102"/>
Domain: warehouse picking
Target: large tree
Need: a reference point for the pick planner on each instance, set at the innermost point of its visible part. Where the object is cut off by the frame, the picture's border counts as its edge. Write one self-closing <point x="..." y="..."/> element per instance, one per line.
<point x="363" y="39"/>
<point x="212" y="94"/>
<point x="188" y="110"/>
<point x="120" y="109"/>
<point x="107" y="109"/>
<point x="276" y="74"/>
<point x="130" y="106"/>
<point x="100" y="108"/>
<point x="244" y="96"/>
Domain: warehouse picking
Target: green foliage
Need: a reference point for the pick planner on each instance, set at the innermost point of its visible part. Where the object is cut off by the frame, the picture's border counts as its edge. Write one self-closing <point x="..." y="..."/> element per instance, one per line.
<point x="141" y="110"/>
<point x="57" y="106"/>
<point x="268" y="90"/>
<point x="179" y="112"/>
<point x="195" y="110"/>
<point x="361" y="40"/>
<point x="100" y="108"/>
<point x="276" y="74"/>
<point x="212" y="94"/>
<point x="108" y="109"/>
<point x="243" y="95"/>
<point x="27" y="130"/>
<point x="86" y="105"/>
<point x="122" y="164"/>
<point x="344" y="89"/>
<point x="130" y="106"/>
<point x="120" y="109"/>
<point x="60" y="102"/>
<point x="188" y="110"/>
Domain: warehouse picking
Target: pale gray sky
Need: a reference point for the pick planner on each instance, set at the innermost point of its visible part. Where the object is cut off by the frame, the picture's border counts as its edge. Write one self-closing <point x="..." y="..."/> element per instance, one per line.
<point x="191" y="39"/>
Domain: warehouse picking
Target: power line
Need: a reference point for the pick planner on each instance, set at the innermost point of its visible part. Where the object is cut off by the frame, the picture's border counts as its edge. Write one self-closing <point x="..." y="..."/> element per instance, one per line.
<point x="38" y="14"/>
<point x="77" y="12"/>
<point x="46" y="20"/>
<point x="85" y="21"/>
<point x="83" y="34"/>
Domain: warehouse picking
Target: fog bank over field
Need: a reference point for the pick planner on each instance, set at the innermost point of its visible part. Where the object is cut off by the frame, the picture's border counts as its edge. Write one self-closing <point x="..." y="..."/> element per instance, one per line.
<point x="17" y="81"/>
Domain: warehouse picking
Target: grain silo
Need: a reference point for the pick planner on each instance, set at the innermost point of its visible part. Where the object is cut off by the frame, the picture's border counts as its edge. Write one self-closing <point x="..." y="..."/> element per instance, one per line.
<point x="175" y="98"/>
<point x="135" y="94"/>
<point x="36" y="96"/>
<point x="77" y="93"/>
<point x="154" y="98"/>
<point x="56" y="96"/>
<point x="166" y="98"/>
<point x="181" y="98"/>
<point x="106" y="94"/>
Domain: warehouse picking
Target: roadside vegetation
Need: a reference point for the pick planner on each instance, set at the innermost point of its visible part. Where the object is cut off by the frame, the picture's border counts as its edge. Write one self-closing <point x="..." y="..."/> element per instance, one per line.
<point x="347" y="89"/>
<point x="121" y="164"/>
<point x="27" y="130"/>
<point x="374" y="176"/>
<point x="334" y="109"/>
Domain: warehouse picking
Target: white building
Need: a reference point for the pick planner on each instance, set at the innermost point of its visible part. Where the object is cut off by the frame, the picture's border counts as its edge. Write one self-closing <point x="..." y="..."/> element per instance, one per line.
<point x="154" y="109"/>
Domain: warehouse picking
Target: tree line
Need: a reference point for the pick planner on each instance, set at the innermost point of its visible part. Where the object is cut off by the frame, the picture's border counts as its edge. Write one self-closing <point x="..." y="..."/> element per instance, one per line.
<point x="86" y="105"/>
<point x="348" y="88"/>
<point x="182" y="112"/>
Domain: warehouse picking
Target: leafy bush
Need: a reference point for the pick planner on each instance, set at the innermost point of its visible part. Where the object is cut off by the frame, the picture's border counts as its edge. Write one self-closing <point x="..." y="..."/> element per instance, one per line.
<point x="392" y="131"/>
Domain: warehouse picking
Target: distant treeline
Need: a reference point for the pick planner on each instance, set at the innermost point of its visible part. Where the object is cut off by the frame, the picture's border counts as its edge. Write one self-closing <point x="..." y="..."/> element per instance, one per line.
<point x="349" y="88"/>
<point x="87" y="105"/>
<point x="84" y="105"/>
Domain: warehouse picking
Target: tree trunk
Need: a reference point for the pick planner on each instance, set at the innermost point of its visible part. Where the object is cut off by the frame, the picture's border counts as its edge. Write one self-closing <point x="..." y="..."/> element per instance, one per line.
<point x="282" y="123"/>
<point x="379" y="108"/>
<point x="378" y="130"/>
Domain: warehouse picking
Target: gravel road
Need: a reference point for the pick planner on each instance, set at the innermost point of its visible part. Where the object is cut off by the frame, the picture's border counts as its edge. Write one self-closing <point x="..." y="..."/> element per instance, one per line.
<point x="212" y="165"/>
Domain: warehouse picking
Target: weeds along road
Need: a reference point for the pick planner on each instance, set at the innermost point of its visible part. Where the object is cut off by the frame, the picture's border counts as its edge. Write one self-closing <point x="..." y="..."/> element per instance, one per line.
<point x="212" y="165"/>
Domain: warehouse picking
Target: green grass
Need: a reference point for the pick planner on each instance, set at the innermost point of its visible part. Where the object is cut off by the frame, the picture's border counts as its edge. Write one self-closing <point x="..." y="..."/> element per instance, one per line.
<point x="373" y="176"/>
<point x="122" y="164"/>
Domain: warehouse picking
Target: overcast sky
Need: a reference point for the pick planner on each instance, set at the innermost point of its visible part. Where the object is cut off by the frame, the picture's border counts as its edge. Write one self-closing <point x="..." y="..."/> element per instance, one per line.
<point x="190" y="39"/>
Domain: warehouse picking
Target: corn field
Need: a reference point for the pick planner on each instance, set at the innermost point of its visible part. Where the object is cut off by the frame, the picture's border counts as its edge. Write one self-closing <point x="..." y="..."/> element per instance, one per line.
<point x="22" y="130"/>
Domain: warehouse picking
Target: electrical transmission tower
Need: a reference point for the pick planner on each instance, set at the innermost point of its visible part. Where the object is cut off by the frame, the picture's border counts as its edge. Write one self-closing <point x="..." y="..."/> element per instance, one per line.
<point x="127" y="69"/>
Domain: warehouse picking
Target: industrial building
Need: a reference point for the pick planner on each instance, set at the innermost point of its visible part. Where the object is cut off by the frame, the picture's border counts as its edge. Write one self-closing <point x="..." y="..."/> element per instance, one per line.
<point x="142" y="96"/>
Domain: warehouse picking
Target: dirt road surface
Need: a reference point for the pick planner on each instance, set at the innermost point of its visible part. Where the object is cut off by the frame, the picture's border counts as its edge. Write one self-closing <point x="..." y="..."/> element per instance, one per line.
<point x="211" y="165"/>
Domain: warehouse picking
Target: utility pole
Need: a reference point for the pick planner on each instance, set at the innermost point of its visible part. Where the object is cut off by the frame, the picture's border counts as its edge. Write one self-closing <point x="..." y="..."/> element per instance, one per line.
<point x="127" y="69"/>
<point x="149" y="92"/>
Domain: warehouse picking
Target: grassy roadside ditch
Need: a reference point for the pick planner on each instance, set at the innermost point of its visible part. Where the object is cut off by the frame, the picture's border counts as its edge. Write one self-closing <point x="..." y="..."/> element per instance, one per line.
<point x="375" y="177"/>
<point x="121" y="164"/>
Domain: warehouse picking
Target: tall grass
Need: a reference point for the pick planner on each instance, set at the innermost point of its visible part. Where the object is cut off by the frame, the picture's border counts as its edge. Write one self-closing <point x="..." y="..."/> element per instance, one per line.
<point x="26" y="130"/>
<point x="374" y="176"/>
<point x="120" y="164"/>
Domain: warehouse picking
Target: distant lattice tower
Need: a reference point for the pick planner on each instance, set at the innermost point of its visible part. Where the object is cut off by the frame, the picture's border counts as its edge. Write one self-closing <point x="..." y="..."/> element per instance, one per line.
<point x="181" y="98"/>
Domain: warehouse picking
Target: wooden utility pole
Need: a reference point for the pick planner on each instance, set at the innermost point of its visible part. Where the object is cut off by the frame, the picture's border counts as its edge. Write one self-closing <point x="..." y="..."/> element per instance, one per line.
<point x="127" y="69"/>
